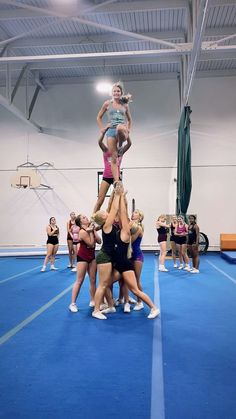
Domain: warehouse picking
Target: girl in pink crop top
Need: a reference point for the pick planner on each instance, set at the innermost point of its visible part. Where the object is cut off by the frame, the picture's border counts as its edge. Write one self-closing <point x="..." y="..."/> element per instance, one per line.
<point x="107" y="178"/>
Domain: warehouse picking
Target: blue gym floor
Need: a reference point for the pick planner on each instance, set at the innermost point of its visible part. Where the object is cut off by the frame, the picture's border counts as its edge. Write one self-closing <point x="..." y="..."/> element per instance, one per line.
<point x="56" y="364"/>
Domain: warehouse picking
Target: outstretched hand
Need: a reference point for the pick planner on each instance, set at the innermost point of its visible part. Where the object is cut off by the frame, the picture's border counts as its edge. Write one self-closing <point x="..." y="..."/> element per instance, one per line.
<point x="118" y="187"/>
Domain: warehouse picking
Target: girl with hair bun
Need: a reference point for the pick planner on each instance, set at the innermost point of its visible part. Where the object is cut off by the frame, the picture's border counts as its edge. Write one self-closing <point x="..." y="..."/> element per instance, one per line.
<point x="119" y="120"/>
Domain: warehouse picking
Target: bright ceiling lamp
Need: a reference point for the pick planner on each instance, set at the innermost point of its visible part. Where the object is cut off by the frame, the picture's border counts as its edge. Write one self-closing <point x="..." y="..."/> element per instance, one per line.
<point x="104" y="87"/>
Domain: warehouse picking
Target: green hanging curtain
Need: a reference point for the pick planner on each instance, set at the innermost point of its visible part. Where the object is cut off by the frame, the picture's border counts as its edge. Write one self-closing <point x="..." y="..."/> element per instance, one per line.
<point x="184" y="176"/>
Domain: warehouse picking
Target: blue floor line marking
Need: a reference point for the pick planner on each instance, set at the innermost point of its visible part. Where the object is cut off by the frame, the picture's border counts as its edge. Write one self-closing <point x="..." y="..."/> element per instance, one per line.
<point x="222" y="272"/>
<point x="33" y="316"/>
<point x="157" y="396"/>
<point x="18" y="275"/>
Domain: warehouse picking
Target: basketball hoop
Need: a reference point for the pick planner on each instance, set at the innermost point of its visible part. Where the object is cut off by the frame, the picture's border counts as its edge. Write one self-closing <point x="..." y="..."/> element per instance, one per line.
<point x="26" y="178"/>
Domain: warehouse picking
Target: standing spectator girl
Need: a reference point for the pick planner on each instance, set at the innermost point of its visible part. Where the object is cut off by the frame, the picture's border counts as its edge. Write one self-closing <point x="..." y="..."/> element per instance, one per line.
<point x="52" y="244"/>
<point x="69" y="224"/>
<point x="162" y="230"/>
<point x="193" y="243"/>
<point x="181" y="233"/>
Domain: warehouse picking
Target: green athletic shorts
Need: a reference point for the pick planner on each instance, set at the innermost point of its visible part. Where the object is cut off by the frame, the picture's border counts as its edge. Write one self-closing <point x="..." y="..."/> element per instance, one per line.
<point x="103" y="257"/>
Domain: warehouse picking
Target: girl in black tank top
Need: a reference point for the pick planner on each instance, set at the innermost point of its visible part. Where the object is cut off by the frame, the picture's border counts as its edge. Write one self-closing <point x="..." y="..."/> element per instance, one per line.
<point x="193" y="243"/>
<point x="71" y="253"/>
<point x="52" y="244"/>
<point x="123" y="266"/>
<point x="105" y="257"/>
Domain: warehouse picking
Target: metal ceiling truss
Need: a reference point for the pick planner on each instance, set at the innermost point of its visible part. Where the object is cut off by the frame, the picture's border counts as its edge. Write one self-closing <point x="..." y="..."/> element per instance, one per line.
<point x="186" y="54"/>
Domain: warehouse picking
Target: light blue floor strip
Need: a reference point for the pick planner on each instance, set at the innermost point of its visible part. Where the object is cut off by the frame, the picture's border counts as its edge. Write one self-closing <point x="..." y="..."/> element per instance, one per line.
<point x="222" y="272"/>
<point x="33" y="316"/>
<point x="157" y="397"/>
<point x="22" y="273"/>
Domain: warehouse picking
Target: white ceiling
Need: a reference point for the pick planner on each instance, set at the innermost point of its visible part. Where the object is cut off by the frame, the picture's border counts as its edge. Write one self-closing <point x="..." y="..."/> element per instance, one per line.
<point x="76" y="41"/>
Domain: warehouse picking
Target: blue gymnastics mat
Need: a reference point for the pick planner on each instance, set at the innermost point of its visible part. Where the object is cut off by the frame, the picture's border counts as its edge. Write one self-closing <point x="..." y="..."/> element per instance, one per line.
<point x="230" y="256"/>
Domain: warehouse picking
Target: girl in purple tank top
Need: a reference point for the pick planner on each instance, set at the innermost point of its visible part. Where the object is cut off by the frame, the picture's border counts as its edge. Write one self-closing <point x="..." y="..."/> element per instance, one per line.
<point x="137" y="231"/>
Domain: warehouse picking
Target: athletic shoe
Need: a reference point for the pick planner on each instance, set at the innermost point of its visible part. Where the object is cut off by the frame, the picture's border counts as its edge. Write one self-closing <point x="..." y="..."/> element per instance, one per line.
<point x="180" y="267"/>
<point x="175" y="265"/>
<point x="43" y="269"/>
<point x="126" y="308"/>
<point x="108" y="310"/>
<point x="132" y="300"/>
<point x="74" y="270"/>
<point x="138" y="306"/>
<point x="103" y="306"/>
<point x="73" y="308"/>
<point x="163" y="269"/>
<point x="98" y="315"/>
<point x="117" y="302"/>
<point x="91" y="304"/>
<point x="187" y="268"/>
<point x="195" y="271"/>
<point x="154" y="313"/>
<point x="53" y="268"/>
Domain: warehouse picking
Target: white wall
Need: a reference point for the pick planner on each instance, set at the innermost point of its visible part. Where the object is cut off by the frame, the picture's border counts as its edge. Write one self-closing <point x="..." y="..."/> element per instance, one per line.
<point x="68" y="113"/>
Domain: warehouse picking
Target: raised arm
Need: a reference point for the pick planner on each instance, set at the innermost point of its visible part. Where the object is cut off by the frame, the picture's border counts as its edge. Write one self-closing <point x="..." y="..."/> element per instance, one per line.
<point x="51" y="232"/>
<point x="162" y="224"/>
<point x="113" y="211"/>
<point x="87" y="237"/>
<point x="101" y="138"/>
<point x="125" y="230"/>
<point x="127" y="145"/>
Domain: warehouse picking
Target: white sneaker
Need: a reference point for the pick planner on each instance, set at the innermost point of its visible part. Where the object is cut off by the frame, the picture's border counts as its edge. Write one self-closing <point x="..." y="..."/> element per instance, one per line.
<point x="117" y="302"/>
<point x="194" y="271"/>
<point x="74" y="270"/>
<point x="108" y="310"/>
<point x="154" y="313"/>
<point x="98" y="315"/>
<point x="43" y="268"/>
<point x="73" y="308"/>
<point x="180" y="267"/>
<point x="163" y="269"/>
<point x="126" y="308"/>
<point x="187" y="268"/>
<point x="91" y="304"/>
<point x="53" y="268"/>
<point x="175" y="265"/>
<point x="138" y="306"/>
<point x="69" y="266"/>
<point x="103" y="306"/>
<point x="132" y="300"/>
